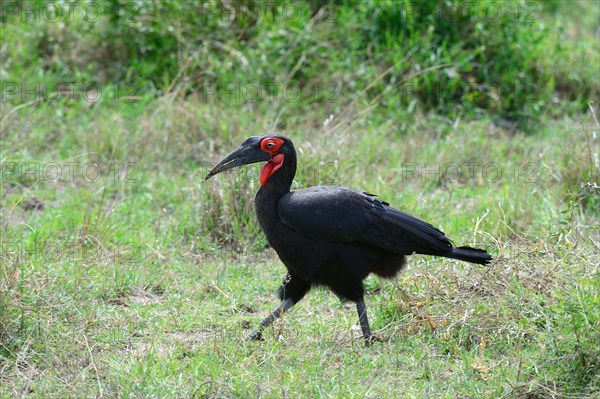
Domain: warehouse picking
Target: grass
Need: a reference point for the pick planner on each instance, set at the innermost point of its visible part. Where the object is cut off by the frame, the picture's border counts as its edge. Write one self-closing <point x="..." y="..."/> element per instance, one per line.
<point x="144" y="284"/>
<point x="124" y="274"/>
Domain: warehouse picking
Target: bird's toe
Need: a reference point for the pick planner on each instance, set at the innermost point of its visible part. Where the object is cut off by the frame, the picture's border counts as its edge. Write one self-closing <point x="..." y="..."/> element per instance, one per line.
<point x="255" y="336"/>
<point x="372" y="338"/>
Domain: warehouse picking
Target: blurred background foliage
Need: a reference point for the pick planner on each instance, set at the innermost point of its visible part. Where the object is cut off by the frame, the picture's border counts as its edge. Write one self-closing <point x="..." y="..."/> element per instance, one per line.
<point x="512" y="60"/>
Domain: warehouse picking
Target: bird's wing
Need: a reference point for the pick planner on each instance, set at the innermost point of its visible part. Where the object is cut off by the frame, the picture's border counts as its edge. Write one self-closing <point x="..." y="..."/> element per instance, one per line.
<point x="338" y="214"/>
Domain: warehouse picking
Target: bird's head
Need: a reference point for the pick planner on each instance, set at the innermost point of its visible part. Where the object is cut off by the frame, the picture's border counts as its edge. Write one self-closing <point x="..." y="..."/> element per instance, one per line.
<point x="270" y="148"/>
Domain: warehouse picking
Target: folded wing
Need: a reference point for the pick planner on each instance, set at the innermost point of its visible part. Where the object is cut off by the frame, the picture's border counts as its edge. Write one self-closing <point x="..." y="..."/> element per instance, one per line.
<point x="342" y="215"/>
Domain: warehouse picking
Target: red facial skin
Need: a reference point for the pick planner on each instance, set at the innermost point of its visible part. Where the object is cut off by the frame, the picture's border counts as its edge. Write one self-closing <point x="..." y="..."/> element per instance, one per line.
<point x="271" y="145"/>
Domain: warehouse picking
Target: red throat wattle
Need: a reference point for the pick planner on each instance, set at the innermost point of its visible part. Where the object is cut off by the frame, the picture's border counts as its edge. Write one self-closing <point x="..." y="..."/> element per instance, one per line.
<point x="271" y="167"/>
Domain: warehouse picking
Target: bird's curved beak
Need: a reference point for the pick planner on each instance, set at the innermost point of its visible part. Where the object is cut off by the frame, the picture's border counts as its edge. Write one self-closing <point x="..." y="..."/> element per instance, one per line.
<point x="242" y="156"/>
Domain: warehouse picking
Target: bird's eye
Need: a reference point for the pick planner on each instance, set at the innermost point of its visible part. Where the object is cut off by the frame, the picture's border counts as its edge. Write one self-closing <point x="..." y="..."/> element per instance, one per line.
<point x="271" y="144"/>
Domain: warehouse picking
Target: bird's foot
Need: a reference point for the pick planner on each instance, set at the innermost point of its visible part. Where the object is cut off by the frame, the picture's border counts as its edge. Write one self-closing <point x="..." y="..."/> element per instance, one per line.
<point x="255" y="336"/>
<point x="372" y="338"/>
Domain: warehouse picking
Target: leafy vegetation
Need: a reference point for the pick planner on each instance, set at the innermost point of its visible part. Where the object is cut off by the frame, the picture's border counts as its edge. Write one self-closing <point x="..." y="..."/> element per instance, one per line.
<point x="508" y="59"/>
<point x="124" y="274"/>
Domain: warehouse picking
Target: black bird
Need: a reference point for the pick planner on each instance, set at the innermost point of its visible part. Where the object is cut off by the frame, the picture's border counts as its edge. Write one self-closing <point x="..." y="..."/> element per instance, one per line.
<point x="332" y="236"/>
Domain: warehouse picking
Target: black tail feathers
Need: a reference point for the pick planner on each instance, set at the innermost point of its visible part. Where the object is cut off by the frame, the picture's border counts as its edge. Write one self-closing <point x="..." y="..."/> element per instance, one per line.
<point x="468" y="254"/>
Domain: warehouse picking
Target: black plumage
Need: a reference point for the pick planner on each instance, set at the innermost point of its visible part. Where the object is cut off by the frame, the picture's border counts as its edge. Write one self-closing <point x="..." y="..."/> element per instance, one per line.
<point x="332" y="236"/>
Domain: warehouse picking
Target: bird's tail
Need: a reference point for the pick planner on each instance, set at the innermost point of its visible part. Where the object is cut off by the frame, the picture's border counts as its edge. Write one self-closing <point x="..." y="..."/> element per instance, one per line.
<point x="468" y="254"/>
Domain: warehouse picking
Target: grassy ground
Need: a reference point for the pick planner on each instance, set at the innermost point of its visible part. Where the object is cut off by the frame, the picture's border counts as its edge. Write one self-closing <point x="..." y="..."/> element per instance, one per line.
<point x="124" y="275"/>
<point x="143" y="281"/>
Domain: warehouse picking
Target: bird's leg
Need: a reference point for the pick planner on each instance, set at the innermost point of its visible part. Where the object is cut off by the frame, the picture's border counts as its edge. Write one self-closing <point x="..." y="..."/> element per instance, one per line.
<point x="285" y="305"/>
<point x="369" y="337"/>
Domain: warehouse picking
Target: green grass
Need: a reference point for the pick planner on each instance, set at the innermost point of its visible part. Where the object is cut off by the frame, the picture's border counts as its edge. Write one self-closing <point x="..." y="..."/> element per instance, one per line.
<point x="146" y="286"/>
<point x="130" y="276"/>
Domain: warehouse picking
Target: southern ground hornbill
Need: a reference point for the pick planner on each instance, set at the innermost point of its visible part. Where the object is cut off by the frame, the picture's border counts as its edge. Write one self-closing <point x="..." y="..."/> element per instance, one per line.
<point x="332" y="236"/>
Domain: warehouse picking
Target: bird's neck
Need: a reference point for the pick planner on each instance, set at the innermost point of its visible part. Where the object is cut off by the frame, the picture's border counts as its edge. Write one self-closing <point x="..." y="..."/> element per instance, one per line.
<point x="280" y="181"/>
<point x="277" y="186"/>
